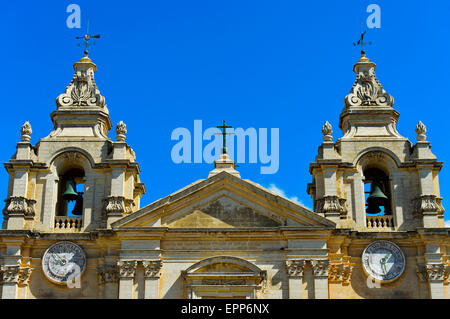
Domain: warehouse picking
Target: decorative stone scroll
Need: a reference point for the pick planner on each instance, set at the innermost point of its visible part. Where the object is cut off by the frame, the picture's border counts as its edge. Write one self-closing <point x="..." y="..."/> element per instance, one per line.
<point x="366" y="90"/>
<point x="127" y="269"/>
<point x="295" y="268"/>
<point x="82" y="90"/>
<point x="19" y="206"/>
<point x="331" y="204"/>
<point x="320" y="267"/>
<point x="152" y="268"/>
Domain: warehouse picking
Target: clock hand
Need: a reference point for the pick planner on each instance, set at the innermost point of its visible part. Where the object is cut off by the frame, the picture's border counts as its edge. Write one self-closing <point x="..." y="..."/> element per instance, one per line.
<point x="58" y="259"/>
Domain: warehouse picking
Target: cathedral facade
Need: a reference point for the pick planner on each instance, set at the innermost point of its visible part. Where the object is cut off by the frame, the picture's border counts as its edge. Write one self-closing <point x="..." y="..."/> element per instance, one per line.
<point x="376" y="230"/>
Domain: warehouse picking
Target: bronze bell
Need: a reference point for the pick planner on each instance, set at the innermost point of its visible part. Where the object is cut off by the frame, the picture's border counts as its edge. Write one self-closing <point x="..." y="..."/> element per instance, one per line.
<point x="71" y="190"/>
<point x="78" y="208"/>
<point x="376" y="198"/>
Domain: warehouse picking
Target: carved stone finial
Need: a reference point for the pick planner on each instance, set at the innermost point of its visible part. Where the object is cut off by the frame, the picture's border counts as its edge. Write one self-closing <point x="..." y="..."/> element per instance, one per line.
<point x="327" y="131"/>
<point x="26" y="132"/>
<point x="121" y="131"/>
<point x="421" y="129"/>
<point x="366" y="90"/>
<point x="82" y="90"/>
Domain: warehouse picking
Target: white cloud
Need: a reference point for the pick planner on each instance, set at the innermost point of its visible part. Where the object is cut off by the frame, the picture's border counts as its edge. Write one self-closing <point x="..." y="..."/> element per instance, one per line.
<point x="278" y="191"/>
<point x="447" y="223"/>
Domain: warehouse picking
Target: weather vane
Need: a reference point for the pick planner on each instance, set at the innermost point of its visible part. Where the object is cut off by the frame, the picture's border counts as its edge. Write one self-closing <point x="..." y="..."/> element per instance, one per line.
<point x="361" y="39"/>
<point x="88" y="37"/>
<point x="224" y="134"/>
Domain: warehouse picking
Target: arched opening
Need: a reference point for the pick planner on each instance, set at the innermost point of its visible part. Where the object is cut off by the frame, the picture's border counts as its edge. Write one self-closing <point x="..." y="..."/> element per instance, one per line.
<point x="70" y="193"/>
<point x="377" y="192"/>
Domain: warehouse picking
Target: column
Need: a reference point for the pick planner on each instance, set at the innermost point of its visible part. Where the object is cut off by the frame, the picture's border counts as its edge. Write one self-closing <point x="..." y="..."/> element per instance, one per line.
<point x="320" y="272"/>
<point x="127" y="271"/>
<point x="295" y="275"/>
<point x="152" y="274"/>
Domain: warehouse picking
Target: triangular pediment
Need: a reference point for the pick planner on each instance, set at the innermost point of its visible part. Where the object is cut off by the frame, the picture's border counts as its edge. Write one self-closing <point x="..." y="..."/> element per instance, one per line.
<point x="223" y="201"/>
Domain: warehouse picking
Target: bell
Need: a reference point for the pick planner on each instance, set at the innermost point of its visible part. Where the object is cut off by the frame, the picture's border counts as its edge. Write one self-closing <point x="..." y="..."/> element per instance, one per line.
<point x="71" y="190"/>
<point x="376" y="198"/>
<point x="78" y="208"/>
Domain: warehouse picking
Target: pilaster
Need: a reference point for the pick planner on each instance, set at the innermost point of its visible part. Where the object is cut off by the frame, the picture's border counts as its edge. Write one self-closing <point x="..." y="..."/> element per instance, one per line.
<point x="295" y="274"/>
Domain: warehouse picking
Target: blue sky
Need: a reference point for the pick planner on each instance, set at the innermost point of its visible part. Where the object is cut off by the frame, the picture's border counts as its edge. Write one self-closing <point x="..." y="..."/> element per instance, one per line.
<point x="262" y="64"/>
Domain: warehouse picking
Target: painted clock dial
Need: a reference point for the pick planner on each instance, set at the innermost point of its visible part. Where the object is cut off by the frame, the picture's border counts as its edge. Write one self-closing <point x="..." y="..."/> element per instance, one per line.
<point x="63" y="261"/>
<point x="383" y="260"/>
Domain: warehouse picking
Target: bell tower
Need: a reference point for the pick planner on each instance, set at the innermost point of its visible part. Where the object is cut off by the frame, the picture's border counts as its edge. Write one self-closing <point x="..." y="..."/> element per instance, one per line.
<point x="372" y="178"/>
<point x="76" y="179"/>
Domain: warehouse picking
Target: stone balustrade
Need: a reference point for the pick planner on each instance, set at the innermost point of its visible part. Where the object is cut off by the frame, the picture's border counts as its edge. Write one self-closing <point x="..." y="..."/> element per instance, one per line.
<point x="380" y="222"/>
<point x="68" y="223"/>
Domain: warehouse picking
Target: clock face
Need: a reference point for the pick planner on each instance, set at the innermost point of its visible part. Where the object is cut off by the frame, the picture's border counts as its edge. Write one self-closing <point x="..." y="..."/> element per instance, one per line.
<point x="63" y="262"/>
<point x="383" y="261"/>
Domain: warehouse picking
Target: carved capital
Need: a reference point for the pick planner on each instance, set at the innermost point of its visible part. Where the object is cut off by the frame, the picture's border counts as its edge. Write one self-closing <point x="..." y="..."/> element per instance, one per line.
<point x="329" y="204"/>
<point x="431" y="272"/>
<point x="152" y="268"/>
<point x="114" y="205"/>
<point x="340" y="273"/>
<point x="295" y="268"/>
<point x="15" y="275"/>
<point x="127" y="269"/>
<point x="108" y="274"/>
<point x="19" y="206"/>
<point x="320" y="267"/>
<point x="427" y="204"/>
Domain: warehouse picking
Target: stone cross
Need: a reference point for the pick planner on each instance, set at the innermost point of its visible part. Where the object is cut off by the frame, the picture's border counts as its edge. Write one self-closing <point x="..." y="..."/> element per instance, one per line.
<point x="224" y="134"/>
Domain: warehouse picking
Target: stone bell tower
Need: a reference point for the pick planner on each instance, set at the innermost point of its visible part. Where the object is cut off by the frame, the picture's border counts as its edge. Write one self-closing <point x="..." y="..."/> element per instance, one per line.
<point x="102" y="175"/>
<point x="372" y="178"/>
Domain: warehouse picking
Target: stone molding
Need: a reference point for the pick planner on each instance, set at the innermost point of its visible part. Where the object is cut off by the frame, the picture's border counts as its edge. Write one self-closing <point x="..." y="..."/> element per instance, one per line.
<point x="152" y="268"/>
<point x="19" y="206"/>
<point x="295" y="267"/>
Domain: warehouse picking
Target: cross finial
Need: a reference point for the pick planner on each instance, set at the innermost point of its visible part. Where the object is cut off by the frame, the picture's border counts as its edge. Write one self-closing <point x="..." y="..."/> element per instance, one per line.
<point x="361" y="40"/>
<point x="88" y="37"/>
<point x="224" y="134"/>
